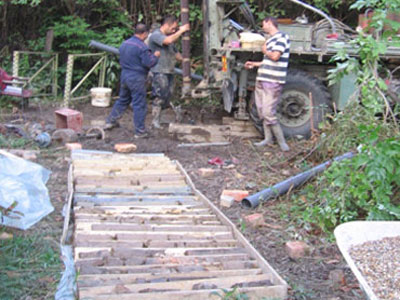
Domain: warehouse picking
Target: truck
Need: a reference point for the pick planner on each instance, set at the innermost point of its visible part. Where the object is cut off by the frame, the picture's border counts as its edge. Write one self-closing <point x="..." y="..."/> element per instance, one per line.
<point x="306" y="97"/>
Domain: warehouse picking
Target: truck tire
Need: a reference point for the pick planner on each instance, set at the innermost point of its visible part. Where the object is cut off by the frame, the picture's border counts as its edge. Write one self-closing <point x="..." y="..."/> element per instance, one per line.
<point x="294" y="111"/>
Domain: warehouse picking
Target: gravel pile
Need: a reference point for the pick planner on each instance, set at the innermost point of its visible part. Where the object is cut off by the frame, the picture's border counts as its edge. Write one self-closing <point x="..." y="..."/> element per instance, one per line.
<point x="379" y="262"/>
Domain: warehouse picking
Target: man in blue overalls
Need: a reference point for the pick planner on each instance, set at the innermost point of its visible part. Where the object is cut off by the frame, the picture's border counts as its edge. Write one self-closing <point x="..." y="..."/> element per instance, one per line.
<point x="136" y="59"/>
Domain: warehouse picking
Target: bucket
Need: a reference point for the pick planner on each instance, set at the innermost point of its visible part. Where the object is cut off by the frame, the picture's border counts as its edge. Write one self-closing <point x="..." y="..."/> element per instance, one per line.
<point x="101" y="97"/>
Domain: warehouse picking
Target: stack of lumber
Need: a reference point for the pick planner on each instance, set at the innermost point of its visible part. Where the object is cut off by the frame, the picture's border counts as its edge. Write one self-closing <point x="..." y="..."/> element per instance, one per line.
<point x="229" y="129"/>
<point x="142" y="231"/>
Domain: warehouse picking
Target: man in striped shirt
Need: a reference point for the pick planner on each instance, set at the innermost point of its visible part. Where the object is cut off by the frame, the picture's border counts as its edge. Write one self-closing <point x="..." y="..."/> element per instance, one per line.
<point x="271" y="77"/>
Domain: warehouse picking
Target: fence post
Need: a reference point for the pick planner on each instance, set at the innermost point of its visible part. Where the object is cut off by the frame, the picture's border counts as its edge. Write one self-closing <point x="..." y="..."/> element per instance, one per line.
<point x="15" y="63"/>
<point x="103" y="71"/>
<point x="55" y="71"/>
<point x="68" y="79"/>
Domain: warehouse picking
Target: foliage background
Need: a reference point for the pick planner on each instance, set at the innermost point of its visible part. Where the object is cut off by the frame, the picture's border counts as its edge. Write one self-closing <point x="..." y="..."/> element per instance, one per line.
<point x="24" y="22"/>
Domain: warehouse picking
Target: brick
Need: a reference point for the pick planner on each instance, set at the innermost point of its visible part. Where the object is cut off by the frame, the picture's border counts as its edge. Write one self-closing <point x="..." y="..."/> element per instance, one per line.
<point x="125" y="147"/>
<point x="337" y="278"/>
<point x="238" y="195"/>
<point x="69" y="118"/>
<point x="254" y="220"/>
<point x="297" y="249"/>
<point x="226" y="201"/>
<point x="6" y="236"/>
<point x="73" y="146"/>
<point x="206" y="172"/>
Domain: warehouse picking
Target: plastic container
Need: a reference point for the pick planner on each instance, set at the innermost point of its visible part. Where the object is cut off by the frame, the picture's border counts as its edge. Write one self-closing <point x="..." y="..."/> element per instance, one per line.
<point x="251" y="40"/>
<point x="101" y="97"/>
<point x="358" y="232"/>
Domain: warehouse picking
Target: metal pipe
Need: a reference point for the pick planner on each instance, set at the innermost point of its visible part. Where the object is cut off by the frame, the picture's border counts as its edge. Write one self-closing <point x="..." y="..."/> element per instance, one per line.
<point x="282" y="187"/>
<point x="316" y="10"/>
<point x="113" y="50"/>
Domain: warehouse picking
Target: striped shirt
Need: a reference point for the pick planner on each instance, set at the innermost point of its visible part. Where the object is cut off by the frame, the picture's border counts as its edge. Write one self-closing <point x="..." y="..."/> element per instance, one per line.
<point x="275" y="71"/>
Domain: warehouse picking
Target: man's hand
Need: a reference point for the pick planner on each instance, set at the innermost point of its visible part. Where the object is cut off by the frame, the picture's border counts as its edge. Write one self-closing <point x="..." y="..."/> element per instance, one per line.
<point x="184" y="28"/>
<point x="157" y="53"/>
<point x="249" y="65"/>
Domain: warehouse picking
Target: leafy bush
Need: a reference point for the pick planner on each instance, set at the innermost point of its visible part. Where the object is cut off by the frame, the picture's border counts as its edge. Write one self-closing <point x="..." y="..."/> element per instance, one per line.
<point x="364" y="187"/>
<point x="368" y="185"/>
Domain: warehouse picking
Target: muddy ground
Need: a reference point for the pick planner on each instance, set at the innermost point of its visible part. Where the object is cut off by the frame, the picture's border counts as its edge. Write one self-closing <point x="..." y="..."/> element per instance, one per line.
<point x="251" y="169"/>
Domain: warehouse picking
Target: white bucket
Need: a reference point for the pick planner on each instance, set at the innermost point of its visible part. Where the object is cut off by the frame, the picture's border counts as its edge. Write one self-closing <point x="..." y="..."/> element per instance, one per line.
<point x="101" y="97"/>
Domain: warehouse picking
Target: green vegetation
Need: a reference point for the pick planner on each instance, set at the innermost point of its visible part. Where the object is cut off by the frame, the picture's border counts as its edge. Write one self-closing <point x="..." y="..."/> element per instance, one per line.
<point x="29" y="266"/>
<point x="367" y="186"/>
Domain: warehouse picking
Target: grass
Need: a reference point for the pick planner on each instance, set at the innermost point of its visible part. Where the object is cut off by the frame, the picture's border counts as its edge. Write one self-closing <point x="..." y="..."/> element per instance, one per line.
<point x="30" y="267"/>
<point x="15" y="143"/>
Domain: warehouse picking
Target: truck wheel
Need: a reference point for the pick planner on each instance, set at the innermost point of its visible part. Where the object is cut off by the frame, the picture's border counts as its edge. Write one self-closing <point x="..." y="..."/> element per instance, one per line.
<point x="294" y="111"/>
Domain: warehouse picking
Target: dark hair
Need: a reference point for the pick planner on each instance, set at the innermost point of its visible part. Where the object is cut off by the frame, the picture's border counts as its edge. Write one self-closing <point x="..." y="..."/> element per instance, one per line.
<point x="169" y="20"/>
<point x="273" y="20"/>
<point x="141" y="28"/>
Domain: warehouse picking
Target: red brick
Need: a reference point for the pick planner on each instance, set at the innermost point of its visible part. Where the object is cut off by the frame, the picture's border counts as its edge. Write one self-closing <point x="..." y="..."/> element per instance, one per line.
<point x="73" y="146"/>
<point x="125" y="147"/>
<point x="297" y="249"/>
<point x="69" y="118"/>
<point x="254" y="220"/>
<point x="206" y="172"/>
<point x="238" y="195"/>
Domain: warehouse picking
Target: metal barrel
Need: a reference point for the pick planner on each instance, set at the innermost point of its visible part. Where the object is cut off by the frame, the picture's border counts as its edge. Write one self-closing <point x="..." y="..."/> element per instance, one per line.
<point x="113" y="50"/>
<point x="283" y="186"/>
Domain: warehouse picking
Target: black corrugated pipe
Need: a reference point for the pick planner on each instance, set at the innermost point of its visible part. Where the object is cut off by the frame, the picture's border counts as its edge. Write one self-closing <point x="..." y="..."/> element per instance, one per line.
<point x="292" y="182"/>
<point x="113" y="50"/>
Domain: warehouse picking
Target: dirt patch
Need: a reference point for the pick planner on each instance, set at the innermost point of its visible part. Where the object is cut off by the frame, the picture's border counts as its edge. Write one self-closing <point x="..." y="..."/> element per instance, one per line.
<point x="245" y="168"/>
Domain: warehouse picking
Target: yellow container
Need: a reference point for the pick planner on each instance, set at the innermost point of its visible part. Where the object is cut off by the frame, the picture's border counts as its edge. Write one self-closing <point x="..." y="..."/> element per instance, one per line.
<point x="101" y="97"/>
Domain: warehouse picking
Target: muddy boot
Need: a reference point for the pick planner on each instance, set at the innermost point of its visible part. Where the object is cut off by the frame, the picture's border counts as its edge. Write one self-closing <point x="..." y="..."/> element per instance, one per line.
<point x="277" y="130"/>
<point x="156" y="113"/>
<point x="267" y="137"/>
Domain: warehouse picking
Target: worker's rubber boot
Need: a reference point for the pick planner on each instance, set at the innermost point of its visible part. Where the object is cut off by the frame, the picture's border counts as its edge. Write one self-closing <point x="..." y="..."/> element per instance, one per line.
<point x="267" y="137"/>
<point x="156" y="113"/>
<point x="277" y="130"/>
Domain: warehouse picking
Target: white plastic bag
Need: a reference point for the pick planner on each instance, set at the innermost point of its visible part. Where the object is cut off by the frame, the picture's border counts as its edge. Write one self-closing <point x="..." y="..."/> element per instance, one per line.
<point x="24" y="198"/>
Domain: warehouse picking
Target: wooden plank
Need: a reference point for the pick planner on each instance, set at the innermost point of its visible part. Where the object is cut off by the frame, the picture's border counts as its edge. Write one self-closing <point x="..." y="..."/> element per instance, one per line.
<point x="93" y="213"/>
<point x="136" y="220"/>
<point x="107" y="279"/>
<point x="151" y="208"/>
<point x="94" y="154"/>
<point x="79" y="242"/>
<point x="98" y="199"/>
<point x="191" y="138"/>
<point x="204" y="130"/>
<point x="122" y="172"/>
<point x="217" y="283"/>
<point x="127" y="179"/>
<point x="140" y="190"/>
<point x="117" y="261"/>
<point x="168" y="268"/>
<point x="272" y="292"/>
<point x="129" y="252"/>
<point x="99" y="226"/>
<point x="133" y="185"/>
<point x="158" y="236"/>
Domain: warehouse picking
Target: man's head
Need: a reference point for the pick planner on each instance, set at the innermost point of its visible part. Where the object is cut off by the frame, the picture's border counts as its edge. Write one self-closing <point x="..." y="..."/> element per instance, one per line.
<point x="270" y="24"/>
<point x="141" y="31"/>
<point x="169" y="25"/>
